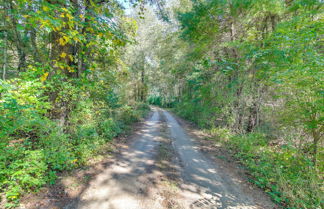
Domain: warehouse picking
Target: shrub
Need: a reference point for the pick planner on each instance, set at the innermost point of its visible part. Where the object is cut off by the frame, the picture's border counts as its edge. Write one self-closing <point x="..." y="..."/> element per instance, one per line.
<point x="142" y="108"/>
<point x="220" y="133"/>
<point x="25" y="174"/>
<point x="109" y="128"/>
<point x="33" y="148"/>
<point x="286" y="174"/>
<point x="127" y="114"/>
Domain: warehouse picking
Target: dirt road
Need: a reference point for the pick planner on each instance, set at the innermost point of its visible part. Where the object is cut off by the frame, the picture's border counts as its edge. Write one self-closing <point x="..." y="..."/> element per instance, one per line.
<point x="132" y="182"/>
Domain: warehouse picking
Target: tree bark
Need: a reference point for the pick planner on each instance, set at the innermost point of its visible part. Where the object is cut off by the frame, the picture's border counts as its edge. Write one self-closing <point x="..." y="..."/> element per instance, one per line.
<point x="36" y="54"/>
<point x="5" y="54"/>
<point x="19" y="42"/>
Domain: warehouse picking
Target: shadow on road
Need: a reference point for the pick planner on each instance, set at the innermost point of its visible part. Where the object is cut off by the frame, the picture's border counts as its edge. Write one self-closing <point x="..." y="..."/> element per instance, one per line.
<point x="130" y="180"/>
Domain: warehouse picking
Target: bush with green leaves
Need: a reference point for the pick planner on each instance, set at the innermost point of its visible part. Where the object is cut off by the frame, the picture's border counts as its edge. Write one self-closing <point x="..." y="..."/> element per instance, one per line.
<point x="127" y="114"/>
<point x="109" y="128"/>
<point x="287" y="175"/>
<point x="34" y="148"/>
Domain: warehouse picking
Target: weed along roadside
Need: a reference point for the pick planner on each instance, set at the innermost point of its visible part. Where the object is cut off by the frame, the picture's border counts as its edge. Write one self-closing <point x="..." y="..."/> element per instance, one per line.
<point x="87" y="142"/>
<point x="284" y="173"/>
<point x="76" y="75"/>
<point x="155" y="171"/>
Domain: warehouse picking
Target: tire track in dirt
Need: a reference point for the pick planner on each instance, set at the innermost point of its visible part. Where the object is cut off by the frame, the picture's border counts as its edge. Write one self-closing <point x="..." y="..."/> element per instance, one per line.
<point x="204" y="183"/>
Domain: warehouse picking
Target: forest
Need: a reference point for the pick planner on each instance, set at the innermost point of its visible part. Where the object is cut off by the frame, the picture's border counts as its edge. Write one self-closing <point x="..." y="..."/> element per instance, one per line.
<point x="77" y="73"/>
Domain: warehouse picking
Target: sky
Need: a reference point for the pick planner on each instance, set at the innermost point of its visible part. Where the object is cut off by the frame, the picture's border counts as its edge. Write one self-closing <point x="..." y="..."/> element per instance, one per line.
<point x="127" y="5"/>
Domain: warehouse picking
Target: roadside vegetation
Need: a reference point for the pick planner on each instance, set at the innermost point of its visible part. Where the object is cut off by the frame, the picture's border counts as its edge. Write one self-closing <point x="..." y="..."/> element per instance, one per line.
<point x="250" y="73"/>
<point x="63" y="89"/>
<point x="76" y="73"/>
<point x="288" y="176"/>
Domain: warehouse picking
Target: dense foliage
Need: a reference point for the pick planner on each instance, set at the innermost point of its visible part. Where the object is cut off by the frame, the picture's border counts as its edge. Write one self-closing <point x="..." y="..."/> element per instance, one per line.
<point x="76" y="73"/>
<point x="251" y="73"/>
<point x="61" y="93"/>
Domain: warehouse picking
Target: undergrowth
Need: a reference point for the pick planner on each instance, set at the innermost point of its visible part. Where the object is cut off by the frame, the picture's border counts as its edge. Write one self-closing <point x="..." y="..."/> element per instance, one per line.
<point x="283" y="171"/>
<point x="33" y="148"/>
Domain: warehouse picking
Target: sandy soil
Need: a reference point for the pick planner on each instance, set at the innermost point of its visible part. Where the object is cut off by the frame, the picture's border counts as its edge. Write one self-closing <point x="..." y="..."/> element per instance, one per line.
<point x="165" y="165"/>
<point x="209" y="182"/>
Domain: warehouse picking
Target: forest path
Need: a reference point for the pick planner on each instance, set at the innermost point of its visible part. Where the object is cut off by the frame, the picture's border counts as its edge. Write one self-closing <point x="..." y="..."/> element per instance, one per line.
<point x="204" y="183"/>
<point x="125" y="184"/>
<point x="132" y="182"/>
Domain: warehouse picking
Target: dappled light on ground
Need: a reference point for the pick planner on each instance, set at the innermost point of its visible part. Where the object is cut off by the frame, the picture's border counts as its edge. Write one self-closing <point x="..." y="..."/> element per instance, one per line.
<point x="132" y="181"/>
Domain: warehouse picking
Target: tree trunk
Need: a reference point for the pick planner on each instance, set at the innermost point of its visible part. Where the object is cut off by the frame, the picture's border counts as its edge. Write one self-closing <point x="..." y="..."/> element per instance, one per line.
<point x="61" y="106"/>
<point x="19" y="42"/>
<point x="142" y="85"/>
<point x="4" y="67"/>
<point x="36" y="54"/>
<point x="22" y="59"/>
<point x="85" y="58"/>
<point x="253" y="117"/>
